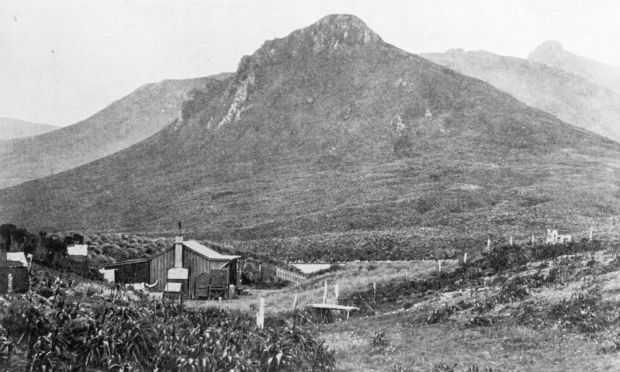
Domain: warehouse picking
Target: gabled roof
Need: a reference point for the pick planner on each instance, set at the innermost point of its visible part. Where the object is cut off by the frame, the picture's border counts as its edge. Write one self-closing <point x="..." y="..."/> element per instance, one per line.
<point x="207" y="252"/>
<point x="193" y="245"/>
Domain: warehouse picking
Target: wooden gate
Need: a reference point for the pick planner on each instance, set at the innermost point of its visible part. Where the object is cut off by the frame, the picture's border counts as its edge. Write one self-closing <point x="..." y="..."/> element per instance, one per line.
<point x="212" y="284"/>
<point x="202" y="286"/>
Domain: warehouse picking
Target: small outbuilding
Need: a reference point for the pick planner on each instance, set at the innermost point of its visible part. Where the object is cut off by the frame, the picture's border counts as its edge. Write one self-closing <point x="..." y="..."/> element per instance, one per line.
<point x="77" y="258"/>
<point x="14" y="272"/>
<point x="188" y="264"/>
<point x="130" y="271"/>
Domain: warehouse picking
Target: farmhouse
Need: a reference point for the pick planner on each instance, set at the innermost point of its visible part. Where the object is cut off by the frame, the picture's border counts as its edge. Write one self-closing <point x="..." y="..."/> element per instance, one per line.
<point x="196" y="267"/>
<point x="14" y="275"/>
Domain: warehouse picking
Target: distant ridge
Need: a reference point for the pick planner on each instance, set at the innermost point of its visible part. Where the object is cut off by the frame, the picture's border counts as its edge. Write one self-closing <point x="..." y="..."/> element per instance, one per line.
<point x="570" y="97"/>
<point x="553" y="54"/>
<point x="14" y="128"/>
<point x="121" y="124"/>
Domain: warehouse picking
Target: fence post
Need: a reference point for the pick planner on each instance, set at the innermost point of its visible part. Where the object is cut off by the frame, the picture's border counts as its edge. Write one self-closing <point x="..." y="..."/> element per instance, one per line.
<point x="260" y="315"/>
<point x="511" y="240"/>
<point x="10" y="283"/>
<point x="336" y="292"/>
<point x="325" y="293"/>
<point x="439" y="266"/>
<point x="591" y="232"/>
<point x="533" y="240"/>
<point x="295" y="311"/>
<point x="465" y="258"/>
<point x="374" y="291"/>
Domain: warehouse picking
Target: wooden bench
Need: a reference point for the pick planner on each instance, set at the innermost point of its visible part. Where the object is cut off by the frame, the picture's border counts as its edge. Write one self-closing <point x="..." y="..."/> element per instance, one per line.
<point x="326" y="308"/>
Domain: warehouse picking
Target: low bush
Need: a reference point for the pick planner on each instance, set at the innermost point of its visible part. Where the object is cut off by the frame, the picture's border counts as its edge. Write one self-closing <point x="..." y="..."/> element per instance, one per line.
<point x="584" y="312"/>
<point x="379" y="339"/>
<point x="510" y="291"/>
<point x="45" y="291"/>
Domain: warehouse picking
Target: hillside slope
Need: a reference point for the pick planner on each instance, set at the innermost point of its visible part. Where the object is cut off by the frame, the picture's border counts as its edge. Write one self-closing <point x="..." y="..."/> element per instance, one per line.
<point x="122" y="124"/>
<point x="325" y="133"/>
<point x="552" y="53"/>
<point x="14" y="128"/>
<point x="567" y="96"/>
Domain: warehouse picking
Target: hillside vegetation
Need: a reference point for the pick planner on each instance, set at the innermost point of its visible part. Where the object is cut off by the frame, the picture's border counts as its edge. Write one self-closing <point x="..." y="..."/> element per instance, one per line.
<point x="539" y="307"/>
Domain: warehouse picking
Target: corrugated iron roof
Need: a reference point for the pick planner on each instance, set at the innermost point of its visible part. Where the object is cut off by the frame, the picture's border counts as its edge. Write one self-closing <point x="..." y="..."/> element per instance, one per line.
<point x="190" y="244"/>
<point x="127" y="262"/>
<point x="77" y="250"/>
<point x="17" y="257"/>
<point x="207" y="252"/>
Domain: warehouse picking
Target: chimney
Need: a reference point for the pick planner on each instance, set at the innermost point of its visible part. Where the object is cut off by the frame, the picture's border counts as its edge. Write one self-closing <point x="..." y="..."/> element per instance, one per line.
<point x="178" y="251"/>
<point x="2" y="256"/>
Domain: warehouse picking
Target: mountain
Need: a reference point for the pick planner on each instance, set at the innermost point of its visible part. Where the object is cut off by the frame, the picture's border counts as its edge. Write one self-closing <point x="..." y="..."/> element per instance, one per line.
<point x="565" y="95"/>
<point x="333" y="134"/>
<point x="123" y="123"/>
<point x="15" y="128"/>
<point x="551" y="53"/>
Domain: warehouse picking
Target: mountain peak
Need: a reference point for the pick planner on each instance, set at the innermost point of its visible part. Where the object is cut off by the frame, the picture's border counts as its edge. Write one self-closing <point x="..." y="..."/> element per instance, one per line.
<point x="343" y="29"/>
<point x="548" y="47"/>
<point x="332" y="33"/>
<point x="344" y="23"/>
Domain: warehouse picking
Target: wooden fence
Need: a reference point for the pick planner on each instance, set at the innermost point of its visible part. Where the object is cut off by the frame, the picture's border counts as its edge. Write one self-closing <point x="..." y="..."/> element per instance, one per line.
<point x="289" y="275"/>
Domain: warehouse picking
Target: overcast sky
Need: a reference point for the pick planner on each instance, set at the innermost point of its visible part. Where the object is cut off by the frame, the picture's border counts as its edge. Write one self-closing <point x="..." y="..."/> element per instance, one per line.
<point x="61" y="61"/>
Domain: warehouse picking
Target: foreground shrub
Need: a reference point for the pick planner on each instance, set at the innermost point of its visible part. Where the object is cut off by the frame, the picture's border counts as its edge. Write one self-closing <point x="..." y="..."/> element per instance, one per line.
<point x="25" y="321"/>
<point x="156" y="337"/>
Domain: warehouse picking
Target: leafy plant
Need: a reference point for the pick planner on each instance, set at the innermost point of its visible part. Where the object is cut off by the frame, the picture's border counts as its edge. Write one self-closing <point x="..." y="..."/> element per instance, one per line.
<point x="68" y="335"/>
<point x="379" y="339"/>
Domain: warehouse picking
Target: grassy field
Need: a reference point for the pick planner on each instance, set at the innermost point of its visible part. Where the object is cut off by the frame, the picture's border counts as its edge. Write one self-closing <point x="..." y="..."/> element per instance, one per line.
<point x="411" y="346"/>
<point x="350" y="278"/>
<point x="557" y="314"/>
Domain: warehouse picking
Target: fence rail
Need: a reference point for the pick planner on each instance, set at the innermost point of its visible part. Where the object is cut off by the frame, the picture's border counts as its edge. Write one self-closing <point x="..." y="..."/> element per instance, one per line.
<point x="289" y="275"/>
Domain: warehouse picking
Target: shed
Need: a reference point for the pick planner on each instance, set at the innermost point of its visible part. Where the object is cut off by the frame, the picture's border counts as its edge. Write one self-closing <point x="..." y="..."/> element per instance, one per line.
<point x="77" y="258"/>
<point x="130" y="271"/>
<point x="14" y="273"/>
<point x="182" y="263"/>
<point x="193" y="259"/>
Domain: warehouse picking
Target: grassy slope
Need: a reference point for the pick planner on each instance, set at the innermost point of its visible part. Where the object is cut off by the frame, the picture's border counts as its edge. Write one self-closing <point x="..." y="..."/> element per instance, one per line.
<point x="415" y="345"/>
<point x="314" y="153"/>
<point x="565" y="95"/>
<point x="422" y="347"/>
